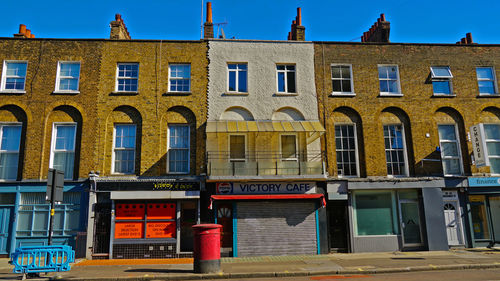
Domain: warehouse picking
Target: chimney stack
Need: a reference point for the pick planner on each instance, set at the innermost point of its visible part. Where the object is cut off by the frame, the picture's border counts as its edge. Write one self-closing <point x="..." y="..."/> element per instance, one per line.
<point x="298" y="32"/>
<point x="378" y="32"/>
<point x="118" y="29"/>
<point x="23" y="32"/>
<point x="467" y="40"/>
<point x="208" y="31"/>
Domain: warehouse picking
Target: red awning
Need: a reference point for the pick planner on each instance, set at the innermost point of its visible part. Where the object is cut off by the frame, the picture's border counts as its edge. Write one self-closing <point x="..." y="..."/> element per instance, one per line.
<point x="268" y="197"/>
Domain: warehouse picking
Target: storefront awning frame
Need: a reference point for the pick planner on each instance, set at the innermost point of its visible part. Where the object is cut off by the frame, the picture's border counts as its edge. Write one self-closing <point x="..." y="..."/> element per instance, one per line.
<point x="229" y="126"/>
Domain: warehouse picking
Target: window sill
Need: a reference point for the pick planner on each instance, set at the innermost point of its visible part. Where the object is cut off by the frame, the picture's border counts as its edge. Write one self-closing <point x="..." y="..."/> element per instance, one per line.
<point x="382" y="95"/>
<point x="120" y="93"/>
<point x="177" y="94"/>
<point x="496" y="95"/>
<point x="339" y="94"/>
<point x="65" y="92"/>
<point x="286" y="94"/>
<point x="12" y="92"/>
<point x="235" y="94"/>
<point x="444" y="95"/>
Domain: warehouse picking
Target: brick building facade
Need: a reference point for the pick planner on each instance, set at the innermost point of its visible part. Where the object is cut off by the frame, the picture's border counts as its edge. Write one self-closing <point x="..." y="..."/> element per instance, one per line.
<point x="397" y="119"/>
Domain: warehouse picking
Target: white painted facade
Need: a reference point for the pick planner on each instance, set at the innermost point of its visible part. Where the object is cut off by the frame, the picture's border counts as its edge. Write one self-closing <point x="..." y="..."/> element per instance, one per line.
<point x="262" y="99"/>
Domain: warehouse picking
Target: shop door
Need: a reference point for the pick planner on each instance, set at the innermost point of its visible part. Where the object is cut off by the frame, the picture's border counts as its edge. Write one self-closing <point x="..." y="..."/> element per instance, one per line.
<point x="410" y="223"/>
<point x="495" y="217"/>
<point x="5" y="223"/>
<point x="452" y="220"/>
<point x="225" y="218"/>
<point x="337" y="218"/>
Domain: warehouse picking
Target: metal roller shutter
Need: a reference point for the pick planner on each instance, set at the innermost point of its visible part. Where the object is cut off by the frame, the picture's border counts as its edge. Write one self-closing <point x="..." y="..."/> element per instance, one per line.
<point x="276" y="228"/>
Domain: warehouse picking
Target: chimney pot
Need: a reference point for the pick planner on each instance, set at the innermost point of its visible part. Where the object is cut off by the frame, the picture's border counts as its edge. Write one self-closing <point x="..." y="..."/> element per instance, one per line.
<point x="299" y="16"/>
<point x="209" y="12"/>
<point x="32" y="35"/>
<point x="468" y="36"/>
<point x="118" y="17"/>
<point x="22" y="29"/>
<point x="463" y="41"/>
<point x="382" y="17"/>
<point x="28" y="33"/>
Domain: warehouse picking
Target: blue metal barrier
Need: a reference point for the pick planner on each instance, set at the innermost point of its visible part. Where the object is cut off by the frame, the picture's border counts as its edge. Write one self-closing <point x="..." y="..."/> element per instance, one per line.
<point x="42" y="259"/>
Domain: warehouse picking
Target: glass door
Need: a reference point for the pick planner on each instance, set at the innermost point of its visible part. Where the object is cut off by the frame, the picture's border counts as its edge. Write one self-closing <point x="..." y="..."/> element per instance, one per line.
<point x="410" y="223"/>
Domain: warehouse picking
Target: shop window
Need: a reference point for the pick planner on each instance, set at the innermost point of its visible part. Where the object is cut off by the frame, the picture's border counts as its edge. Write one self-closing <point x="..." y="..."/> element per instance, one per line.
<point x="140" y="221"/>
<point x="345" y="147"/>
<point x="492" y="132"/>
<point x="450" y="150"/>
<point x="124" y="149"/>
<point x="479" y="216"/>
<point x="375" y="213"/>
<point x="62" y="155"/>
<point x="10" y="139"/>
<point x="395" y="153"/>
<point x="34" y="215"/>
<point x="178" y="149"/>
<point x="237" y="148"/>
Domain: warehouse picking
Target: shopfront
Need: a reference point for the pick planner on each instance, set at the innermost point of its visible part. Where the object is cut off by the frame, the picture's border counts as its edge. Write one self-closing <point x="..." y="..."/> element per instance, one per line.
<point x="400" y="217"/>
<point x="270" y="218"/>
<point x="483" y="201"/>
<point x="150" y="219"/>
<point x="24" y="216"/>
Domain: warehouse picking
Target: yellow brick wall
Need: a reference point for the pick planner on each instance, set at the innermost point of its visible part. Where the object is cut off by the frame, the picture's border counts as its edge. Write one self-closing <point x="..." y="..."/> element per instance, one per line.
<point x="40" y="105"/>
<point x="423" y="109"/>
<point x="154" y="106"/>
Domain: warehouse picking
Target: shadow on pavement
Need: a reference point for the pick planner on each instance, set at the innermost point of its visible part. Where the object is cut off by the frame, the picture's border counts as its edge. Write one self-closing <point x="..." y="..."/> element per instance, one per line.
<point x="159" y="270"/>
<point x="407" y="258"/>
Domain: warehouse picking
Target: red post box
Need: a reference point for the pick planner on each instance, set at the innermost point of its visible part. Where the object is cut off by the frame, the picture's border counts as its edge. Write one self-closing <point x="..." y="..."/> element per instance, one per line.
<point x="206" y="251"/>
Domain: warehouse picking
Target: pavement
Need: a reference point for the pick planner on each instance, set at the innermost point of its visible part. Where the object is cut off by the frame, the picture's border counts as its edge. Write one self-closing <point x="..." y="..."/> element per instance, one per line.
<point x="273" y="266"/>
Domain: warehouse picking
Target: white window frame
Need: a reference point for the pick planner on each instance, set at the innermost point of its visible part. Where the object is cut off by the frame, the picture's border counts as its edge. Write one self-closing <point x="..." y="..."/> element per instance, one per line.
<point x="53" y="145"/>
<point x="114" y="148"/>
<point x="4" y="76"/>
<point x="294" y="159"/>
<point x="356" y="156"/>
<point x="285" y="71"/>
<point x="18" y="124"/>
<point x="405" y="149"/>
<point x="237" y="71"/>
<point x="229" y="149"/>
<point x="170" y="78"/>
<point x="334" y="93"/>
<point x="457" y="141"/>
<point x="399" y="93"/>
<point x="188" y="149"/>
<point x="493" y="80"/>
<point x="126" y="77"/>
<point x="59" y="77"/>
<point x="491" y="140"/>
<point x="442" y="78"/>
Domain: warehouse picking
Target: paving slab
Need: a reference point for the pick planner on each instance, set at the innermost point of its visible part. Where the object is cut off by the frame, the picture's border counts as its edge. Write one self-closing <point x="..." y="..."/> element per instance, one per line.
<point x="273" y="266"/>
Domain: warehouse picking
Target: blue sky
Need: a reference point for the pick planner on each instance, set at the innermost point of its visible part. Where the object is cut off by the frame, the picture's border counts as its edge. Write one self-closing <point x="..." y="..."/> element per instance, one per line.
<point x="419" y="21"/>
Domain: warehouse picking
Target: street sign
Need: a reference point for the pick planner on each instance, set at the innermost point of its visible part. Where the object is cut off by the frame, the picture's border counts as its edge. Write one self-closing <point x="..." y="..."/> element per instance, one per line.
<point x="55" y="178"/>
<point x="479" y="145"/>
